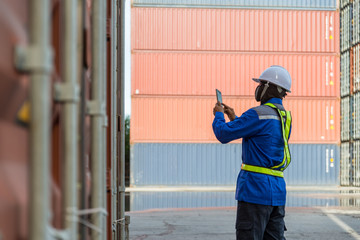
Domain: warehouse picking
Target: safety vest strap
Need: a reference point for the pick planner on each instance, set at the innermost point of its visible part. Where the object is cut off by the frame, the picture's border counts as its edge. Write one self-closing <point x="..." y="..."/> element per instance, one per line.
<point x="285" y="132"/>
<point x="278" y="169"/>
<point x="263" y="170"/>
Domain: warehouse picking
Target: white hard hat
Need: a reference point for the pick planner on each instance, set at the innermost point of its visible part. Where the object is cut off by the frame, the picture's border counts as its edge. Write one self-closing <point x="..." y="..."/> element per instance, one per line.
<point x="276" y="75"/>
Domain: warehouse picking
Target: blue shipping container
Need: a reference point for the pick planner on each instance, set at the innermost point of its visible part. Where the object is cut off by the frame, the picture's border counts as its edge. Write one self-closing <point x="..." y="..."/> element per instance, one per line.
<point x="254" y="4"/>
<point x="177" y="164"/>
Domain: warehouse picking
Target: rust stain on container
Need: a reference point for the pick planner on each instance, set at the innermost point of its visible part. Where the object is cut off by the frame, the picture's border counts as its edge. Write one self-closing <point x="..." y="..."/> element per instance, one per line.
<point x="235" y="30"/>
<point x="189" y="119"/>
<point x="174" y="73"/>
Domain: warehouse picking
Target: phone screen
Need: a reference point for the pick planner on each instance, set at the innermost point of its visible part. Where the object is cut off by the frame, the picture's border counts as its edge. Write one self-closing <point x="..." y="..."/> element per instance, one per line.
<point x="218" y="96"/>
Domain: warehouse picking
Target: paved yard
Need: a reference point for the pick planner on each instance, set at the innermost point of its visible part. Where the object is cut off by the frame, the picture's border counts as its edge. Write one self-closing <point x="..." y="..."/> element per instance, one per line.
<point x="332" y="215"/>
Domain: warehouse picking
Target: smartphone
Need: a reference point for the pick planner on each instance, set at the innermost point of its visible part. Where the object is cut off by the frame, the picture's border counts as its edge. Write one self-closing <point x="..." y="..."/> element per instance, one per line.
<point x="218" y="96"/>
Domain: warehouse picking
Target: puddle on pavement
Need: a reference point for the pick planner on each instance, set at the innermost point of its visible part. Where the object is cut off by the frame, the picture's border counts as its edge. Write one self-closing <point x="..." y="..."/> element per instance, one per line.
<point x="140" y="201"/>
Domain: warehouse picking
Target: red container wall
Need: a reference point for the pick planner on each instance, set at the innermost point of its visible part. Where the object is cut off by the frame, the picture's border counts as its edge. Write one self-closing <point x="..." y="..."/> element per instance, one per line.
<point x="189" y="119"/>
<point x="235" y="30"/>
<point x="174" y="73"/>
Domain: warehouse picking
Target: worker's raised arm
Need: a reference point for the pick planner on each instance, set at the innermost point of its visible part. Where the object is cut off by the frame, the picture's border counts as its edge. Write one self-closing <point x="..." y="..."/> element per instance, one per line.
<point x="244" y="126"/>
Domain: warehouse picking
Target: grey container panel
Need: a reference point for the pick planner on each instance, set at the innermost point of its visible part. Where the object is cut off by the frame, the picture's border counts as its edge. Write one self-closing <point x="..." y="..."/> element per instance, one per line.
<point x="356" y="68"/>
<point x="346" y="28"/>
<point x="345" y="74"/>
<point x="184" y="164"/>
<point x="356" y="164"/>
<point x="262" y="4"/>
<point x="169" y="164"/>
<point x="356" y="118"/>
<point x="356" y="22"/>
<point x="345" y="119"/>
<point x="313" y="164"/>
<point x="345" y="164"/>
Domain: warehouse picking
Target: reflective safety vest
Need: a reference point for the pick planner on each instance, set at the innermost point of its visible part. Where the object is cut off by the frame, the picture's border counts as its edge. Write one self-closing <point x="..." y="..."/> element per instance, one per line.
<point x="277" y="171"/>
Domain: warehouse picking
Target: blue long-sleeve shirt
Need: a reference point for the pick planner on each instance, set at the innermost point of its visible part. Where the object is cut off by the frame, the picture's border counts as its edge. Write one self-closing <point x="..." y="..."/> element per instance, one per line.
<point x="263" y="146"/>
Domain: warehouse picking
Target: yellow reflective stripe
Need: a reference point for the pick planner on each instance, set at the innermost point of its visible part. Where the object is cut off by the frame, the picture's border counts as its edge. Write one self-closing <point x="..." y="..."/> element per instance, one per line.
<point x="285" y="140"/>
<point x="285" y="133"/>
<point x="281" y="113"/>
<point x="288" y="124"/>
<point x="262" y="170"/>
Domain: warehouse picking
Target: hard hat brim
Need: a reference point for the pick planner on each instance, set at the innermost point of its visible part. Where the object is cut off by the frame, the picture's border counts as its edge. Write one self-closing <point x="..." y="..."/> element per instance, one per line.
<point x="256" y="80"/>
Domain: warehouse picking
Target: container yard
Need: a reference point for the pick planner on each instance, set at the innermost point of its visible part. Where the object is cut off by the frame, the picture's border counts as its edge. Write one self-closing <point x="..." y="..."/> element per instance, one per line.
<point x="191" y="50"/>
<point x="106" y="112"/>
<point x="183" y="50"/>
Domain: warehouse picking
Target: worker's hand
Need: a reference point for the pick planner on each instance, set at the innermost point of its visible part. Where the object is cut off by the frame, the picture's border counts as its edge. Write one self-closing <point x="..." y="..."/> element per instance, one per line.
<point x="218" y="108"/>
<point x="229" y="112"/>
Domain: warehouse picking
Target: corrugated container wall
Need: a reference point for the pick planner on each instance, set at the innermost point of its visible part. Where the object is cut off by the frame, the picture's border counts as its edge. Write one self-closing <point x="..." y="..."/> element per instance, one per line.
<point x="216" y="164"/>
<point x="350" y="86"/>
<point x="189" y="119"/>
<point x="346" y="28"/>
<point x="356" y="69"/>
<point x="262" y="4"/>
<point x="182" y="50"/>
<point x="343" y="3"/>
<point x="345" y="74"/>
<point x="356" y="116"/>
<point x="345" y="119"/>
<point x="356" y="22"/>
<point x="345" y="164"/>
<point x="198" y="73"/>
<point x="356" y="166"/>
<point x="189" y="29"/>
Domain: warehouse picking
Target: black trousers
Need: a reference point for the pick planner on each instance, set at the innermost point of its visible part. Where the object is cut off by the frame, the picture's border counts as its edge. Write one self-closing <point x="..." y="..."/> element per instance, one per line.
<point x="259" y="222"/>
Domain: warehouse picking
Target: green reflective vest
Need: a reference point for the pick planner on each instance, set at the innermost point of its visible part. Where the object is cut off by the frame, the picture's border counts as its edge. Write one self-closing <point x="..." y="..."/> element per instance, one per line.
<point x="278" y="169"/>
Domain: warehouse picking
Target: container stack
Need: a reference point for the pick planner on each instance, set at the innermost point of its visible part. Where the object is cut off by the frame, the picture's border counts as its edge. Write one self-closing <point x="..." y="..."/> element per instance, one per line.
<point x="350" y="92"/>
<point x="182" y="50"/>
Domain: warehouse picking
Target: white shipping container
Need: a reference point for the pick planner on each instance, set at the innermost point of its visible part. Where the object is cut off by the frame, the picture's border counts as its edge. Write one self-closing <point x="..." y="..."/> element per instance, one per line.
<point x="345" y="74"/>
<point x="344" y="3"/>
<point x="356" y="78"/>
<point x="345" y="119"/>
<point x="356" y="116"/>
<point x="346" y="28"/>
<point x="356" y="164"/>
<point x="356" y="21"/>
<point x="345" y="164"/>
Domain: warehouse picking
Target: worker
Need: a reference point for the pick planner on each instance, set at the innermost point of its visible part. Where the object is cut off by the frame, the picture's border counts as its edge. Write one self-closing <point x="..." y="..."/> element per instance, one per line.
<point x="265" y="129"/>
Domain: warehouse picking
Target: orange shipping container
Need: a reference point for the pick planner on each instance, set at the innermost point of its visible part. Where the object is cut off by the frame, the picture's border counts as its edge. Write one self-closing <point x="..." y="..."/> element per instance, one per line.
<point x="189" y="119"/>
<point x="174" y="73"/>
<point x="235" y="30"/>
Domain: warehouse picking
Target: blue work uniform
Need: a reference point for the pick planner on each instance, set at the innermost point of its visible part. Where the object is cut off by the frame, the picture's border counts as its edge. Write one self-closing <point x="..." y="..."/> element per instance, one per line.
<point x="263" y="146"/>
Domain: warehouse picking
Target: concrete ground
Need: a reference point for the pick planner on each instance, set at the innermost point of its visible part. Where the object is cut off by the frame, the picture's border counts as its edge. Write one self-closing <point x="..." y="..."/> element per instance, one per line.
<point x="338" y="221"/>
<point x="218" y="224"/>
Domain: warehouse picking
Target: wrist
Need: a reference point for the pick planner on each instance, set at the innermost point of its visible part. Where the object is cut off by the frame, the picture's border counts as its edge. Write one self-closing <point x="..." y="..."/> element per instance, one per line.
<point x="219" y="114"/>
